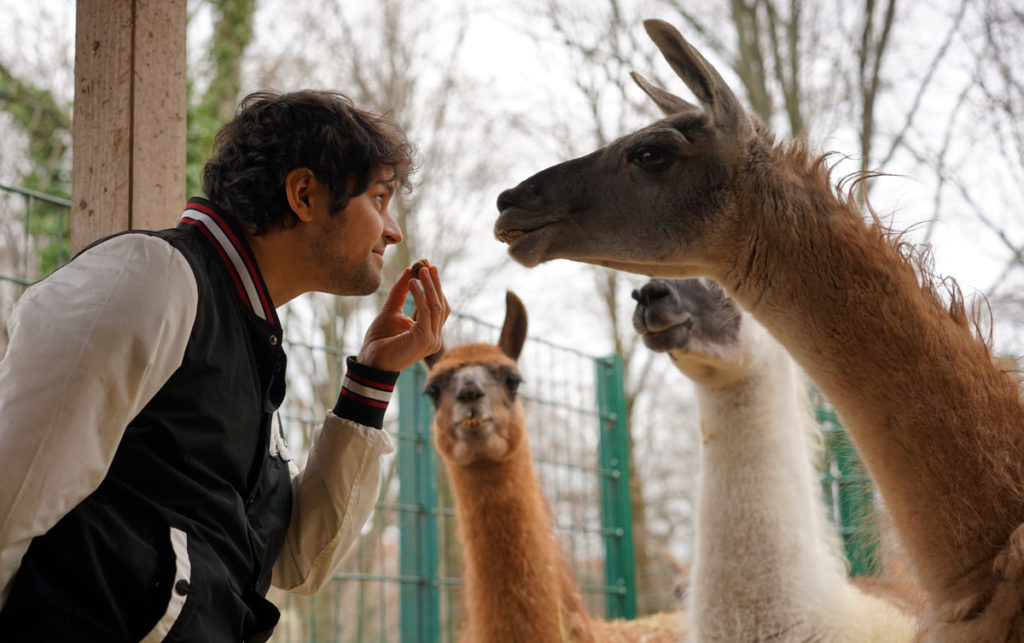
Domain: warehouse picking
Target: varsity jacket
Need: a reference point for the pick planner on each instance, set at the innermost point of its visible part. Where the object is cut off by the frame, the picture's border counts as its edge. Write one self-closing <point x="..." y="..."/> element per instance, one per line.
<point x="144" y="492"/>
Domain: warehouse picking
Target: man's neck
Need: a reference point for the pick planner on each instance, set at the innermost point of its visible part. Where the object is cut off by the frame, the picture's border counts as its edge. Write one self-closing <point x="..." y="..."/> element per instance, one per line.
<point x="275" y="257"/>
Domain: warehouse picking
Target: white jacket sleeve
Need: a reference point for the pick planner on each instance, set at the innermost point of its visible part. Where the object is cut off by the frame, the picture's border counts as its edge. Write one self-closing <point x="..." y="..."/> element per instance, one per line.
<point x="332" y="498"/>
<point x="89" y="346"/>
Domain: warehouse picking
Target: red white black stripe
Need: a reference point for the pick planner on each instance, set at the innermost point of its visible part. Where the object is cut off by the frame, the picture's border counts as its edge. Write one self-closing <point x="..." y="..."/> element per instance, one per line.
<point x="234" y="253"/>
<point x="365" y="393"/>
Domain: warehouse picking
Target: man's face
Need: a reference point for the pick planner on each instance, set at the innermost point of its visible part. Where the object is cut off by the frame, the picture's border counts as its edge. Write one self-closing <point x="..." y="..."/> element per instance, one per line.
<point x="349" y="246"/>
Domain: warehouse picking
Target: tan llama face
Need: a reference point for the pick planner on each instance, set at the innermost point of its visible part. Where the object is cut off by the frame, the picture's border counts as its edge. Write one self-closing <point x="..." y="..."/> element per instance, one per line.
<point x="477" y="419"/>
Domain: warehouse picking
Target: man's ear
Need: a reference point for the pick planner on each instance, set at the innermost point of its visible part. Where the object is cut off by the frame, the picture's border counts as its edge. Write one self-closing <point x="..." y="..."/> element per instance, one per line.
<point x="298" y="186"/>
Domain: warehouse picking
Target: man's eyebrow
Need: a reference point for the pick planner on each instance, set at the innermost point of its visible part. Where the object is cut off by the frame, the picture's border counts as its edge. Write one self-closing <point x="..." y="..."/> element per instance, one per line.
<point x="389" y="183"/>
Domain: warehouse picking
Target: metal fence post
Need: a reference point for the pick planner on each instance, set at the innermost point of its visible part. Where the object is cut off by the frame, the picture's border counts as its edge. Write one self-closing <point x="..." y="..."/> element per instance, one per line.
<point x="620" y="567"/>
<point x="417" y="496"/>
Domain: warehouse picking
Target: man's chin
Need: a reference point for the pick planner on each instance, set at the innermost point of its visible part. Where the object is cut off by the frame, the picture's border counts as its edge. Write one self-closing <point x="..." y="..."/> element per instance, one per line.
<point x="356" y="291"/>
<point x="353" y="285"/>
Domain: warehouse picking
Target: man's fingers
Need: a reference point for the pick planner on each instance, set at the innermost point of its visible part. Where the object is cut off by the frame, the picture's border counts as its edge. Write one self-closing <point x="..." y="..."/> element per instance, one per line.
<point x="432" y="308"/>
<point x="438" y="301"/>
<point x="396" y="296"/>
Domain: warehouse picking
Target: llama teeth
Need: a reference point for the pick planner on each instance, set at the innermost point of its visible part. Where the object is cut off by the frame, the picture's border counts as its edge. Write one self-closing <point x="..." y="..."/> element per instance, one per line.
<point x="509" y="235"/>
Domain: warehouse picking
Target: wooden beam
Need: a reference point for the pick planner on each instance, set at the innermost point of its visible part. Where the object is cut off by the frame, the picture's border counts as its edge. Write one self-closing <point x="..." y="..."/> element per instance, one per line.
<point x="128" y="132"/>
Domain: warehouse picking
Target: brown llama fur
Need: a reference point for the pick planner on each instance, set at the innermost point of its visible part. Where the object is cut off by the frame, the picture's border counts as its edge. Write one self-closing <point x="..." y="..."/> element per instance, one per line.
<point x="517" y="586"/>
<point x="938" y="422"/>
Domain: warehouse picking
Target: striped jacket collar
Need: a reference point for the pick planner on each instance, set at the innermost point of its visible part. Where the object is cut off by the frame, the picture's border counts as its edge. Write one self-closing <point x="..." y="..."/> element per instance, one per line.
<point x="229" y="242"/>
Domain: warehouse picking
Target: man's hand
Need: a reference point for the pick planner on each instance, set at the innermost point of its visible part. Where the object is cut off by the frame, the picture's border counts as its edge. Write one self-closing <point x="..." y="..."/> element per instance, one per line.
<point x="394" y="341"/>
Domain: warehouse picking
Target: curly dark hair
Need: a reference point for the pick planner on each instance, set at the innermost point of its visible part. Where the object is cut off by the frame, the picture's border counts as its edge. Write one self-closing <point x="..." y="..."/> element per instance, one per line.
<point x="274" y="133"/>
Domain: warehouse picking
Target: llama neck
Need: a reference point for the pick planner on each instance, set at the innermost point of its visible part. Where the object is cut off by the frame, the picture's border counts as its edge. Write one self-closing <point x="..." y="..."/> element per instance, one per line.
<point x="516" y="581"/>
<point x="941" y="429"/>
<point x="765" y="560"/>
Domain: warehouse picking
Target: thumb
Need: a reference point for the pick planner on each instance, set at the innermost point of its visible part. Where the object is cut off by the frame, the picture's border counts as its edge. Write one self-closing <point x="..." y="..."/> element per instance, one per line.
<point x="396" y="296"/>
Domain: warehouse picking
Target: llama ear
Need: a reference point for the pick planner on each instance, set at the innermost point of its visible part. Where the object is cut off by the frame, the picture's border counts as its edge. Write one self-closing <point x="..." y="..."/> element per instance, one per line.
<point x="668" y="103"/>
<point x="701" y="77"/>
<point x="513" y="331"/>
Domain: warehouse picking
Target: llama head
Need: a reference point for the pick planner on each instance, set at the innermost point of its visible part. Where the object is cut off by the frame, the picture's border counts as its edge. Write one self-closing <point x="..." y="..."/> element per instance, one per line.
<point x="477" y="416"/>
<point x="696" y="323"/>
<point x="660" y="201"/>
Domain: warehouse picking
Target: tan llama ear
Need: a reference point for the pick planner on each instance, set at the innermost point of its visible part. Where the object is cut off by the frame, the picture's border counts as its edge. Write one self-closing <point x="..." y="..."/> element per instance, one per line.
<point x="513" y="331"/>
<point x="667" y="102"/>
<point x="702" y="79"/>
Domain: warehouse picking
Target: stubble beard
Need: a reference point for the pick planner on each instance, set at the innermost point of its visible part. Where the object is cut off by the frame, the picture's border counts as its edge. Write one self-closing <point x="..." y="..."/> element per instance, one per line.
<point x="356" y="280"/>
<point x="342" y="274"/>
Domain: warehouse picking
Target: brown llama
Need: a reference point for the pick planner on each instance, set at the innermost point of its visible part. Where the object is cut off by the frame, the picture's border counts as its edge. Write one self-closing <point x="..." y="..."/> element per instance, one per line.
<point x="940" y="427"/>
<point x="517" y="586"/>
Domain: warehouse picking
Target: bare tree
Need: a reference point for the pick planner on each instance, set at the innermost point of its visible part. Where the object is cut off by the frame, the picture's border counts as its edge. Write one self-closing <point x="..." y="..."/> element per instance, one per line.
<point x="404" y="59"/>
<point x="215" y="81"/>
<point x="1000" y="87"/>
<point x="388" y="60"/>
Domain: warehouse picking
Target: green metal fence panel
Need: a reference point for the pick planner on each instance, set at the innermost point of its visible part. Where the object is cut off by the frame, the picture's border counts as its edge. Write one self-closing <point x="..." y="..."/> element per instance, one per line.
<point x="848" y="493"/>
<point x="45" y="234"/>
<point x="620" y="570"/>
<point x="418" y="480"/>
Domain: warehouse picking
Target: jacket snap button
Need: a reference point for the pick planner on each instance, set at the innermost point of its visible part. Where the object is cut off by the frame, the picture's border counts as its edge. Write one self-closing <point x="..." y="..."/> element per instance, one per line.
<point x="182" y="587"/>
<point x="273" y="340"/>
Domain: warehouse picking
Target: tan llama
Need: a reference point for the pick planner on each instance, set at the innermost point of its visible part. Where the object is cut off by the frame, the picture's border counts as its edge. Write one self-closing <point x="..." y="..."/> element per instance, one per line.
<point x="767" y="564"/>
<point x="517" y="586"/>
<point x="708" y="191"/>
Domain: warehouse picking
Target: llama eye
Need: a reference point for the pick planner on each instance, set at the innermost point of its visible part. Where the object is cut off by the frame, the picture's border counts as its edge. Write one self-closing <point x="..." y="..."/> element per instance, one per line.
<point x="433" y="393"/>
<point x="512" y="383"/>
<point x="651" y="158"/>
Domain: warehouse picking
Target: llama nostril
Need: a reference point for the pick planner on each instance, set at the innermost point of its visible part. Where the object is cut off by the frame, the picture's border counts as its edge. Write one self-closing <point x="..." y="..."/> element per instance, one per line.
<point x="651" y="292"/>
<point x="519" y="196"/>
<point x="469" y="393"/>
<point x="506" y="199"/>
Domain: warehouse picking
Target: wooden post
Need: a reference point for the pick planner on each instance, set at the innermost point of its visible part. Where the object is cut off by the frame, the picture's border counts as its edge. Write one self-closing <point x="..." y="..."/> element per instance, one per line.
<point x="129" y="123"/>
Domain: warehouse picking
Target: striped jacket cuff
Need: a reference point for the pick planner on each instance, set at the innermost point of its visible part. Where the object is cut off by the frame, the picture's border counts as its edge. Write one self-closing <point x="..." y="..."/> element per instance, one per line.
<point x="365" y="393"/>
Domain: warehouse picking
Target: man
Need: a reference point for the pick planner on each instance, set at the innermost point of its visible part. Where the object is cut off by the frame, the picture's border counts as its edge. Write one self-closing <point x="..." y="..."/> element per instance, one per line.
<point x="144" y="493"/>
